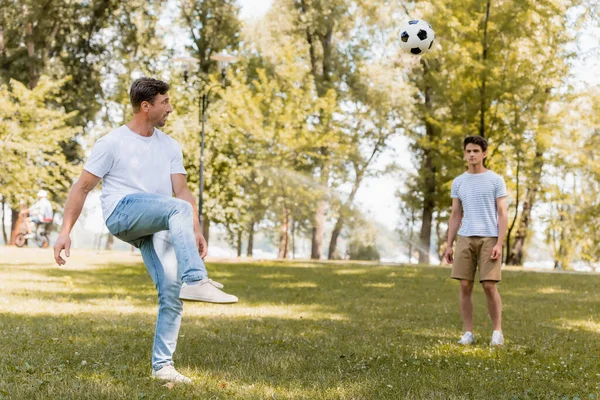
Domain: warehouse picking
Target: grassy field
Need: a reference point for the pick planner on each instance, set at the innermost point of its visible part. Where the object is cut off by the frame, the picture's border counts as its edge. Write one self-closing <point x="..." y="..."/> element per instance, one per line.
<point x="300" y="331"/>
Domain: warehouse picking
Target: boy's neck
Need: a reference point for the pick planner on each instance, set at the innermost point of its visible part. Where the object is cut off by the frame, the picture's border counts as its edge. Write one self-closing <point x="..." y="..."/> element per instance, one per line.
<point x="476" y="169"/>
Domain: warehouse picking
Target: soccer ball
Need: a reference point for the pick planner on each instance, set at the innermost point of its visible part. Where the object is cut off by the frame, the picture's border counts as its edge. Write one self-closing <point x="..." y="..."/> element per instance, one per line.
<point x="416" y="37"/>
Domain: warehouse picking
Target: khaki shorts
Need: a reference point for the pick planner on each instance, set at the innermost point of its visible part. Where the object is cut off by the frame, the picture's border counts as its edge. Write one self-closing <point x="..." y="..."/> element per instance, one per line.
<point x="473" y="251"/>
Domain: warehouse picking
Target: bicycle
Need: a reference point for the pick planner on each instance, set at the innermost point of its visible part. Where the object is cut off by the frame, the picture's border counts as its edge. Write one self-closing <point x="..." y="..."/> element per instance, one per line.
<point x="38" y="235"/>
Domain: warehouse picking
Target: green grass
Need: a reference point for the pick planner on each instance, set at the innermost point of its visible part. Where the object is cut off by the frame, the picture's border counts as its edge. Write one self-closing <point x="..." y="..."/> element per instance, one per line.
<point x="300" y="331"/>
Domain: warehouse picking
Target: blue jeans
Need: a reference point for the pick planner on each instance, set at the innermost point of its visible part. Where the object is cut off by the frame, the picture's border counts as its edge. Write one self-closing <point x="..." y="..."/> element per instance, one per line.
<point x="162" y="228"/>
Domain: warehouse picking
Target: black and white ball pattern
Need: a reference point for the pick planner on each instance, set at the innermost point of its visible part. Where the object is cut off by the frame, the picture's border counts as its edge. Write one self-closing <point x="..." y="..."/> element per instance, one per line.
<point x="416" y="37"/>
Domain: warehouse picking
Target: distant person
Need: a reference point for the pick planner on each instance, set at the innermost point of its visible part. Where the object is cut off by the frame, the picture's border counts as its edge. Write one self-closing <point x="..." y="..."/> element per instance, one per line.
<point x="39" y="213"/>
<point x="479" y="199"/>
<point x="141" y="169"/>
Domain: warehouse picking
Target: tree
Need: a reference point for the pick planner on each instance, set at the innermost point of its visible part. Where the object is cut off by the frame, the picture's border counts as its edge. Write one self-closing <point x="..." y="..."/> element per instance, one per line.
<point x="213" y="26"/>
<point x="31" y="130"/>
<point x="487" y="78"/>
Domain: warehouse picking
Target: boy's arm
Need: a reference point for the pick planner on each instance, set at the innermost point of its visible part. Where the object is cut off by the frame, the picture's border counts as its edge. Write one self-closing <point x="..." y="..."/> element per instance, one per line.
<point x="501" y="204"/>
<point x="453" y="225"/>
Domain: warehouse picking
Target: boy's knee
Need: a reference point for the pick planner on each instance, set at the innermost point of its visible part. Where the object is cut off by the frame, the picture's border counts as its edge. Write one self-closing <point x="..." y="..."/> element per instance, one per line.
<point x="466" y="286"/>
<point x="489" y="287"/>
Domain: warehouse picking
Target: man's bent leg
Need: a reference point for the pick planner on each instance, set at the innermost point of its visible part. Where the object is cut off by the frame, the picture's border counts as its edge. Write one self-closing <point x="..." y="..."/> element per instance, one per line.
<point x="160" y="259"/>
<point x="143" y="214"/>
<point x="494" y="303"/>
<point x="466" y="304"/>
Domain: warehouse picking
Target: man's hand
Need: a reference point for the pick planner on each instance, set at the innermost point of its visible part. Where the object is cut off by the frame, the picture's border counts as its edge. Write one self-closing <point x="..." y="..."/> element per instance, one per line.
<point x="63" y="242"/>
<point x="496" y="252"/>
<point x="449" y="255"/>
<point x="201" y="243"/>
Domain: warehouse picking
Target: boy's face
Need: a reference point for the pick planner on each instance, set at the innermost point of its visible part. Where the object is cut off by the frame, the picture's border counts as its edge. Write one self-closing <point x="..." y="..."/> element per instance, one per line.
<point x="473" y="154"/>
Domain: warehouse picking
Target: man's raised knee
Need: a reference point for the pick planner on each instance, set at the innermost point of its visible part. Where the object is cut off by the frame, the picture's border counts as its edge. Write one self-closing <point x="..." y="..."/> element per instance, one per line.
<point x="184" y="207"/>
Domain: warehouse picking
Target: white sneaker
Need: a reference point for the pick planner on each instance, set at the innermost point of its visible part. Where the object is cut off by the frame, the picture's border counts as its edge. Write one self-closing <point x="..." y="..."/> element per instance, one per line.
<point x="467" y="338"/>
<point x="497" y="339"/>
<point x="169" y="373"/>
<point x="206" y="290"/>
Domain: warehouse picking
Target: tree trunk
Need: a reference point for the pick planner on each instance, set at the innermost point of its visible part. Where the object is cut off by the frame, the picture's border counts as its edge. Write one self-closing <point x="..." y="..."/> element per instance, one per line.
<point x="428" y="172"/>
<point x="360" y="173"/>
<point x="110" y="241"/>
<point x="4" y="236"/>
<point x="516" y="252"/>
<point x="425" y="236"/>
<point x="339" y="224"/>
<point x="512" y="225"/>
<point x="1" y="40"/>
<point x="33" y="75"/>
<point x="250" y="240"/>
<point x="284" y="236"/>
<point x="294" y="224"/>
<point x="321" y="72"/>
<point x="482" y="89"/>
<point x="441" y="238"/>
<point x="317" y="231"/>
<point x="206" y="229"/>
<point x="239" y="243"/>
<point x="334" y="237"/>
<point x="319" y="221"/>
<point x="533" y="186"/>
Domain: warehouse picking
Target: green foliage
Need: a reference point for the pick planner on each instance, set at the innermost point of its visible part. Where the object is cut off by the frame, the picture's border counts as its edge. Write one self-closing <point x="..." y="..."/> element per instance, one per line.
<point x="495" y="70"/>
<point x="32" y="128"/>
<point x="357" y="250"/>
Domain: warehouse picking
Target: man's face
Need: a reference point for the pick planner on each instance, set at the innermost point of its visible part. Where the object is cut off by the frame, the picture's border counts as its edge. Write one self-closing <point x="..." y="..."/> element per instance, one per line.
<point x="160" y="110"/>
<point x="473" y="154"/>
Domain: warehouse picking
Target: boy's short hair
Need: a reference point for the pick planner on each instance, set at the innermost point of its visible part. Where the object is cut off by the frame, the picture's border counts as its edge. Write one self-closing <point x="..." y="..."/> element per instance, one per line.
<point x="478" y="140"/>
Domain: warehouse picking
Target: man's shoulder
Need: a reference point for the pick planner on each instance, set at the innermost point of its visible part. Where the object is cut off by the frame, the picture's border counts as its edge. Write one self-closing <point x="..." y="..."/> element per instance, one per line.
<point x="113" y="136"/>
<point x="166" y="137"/>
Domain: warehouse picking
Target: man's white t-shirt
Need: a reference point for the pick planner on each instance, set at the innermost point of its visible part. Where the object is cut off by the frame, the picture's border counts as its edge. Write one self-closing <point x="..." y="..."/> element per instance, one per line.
<point x="130" y="163"/>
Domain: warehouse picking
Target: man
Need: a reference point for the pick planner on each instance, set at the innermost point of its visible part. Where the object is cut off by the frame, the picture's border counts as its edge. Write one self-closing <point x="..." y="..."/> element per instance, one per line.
<point x="479" y="203"/>
<point x="39" y="213"/>
<point x="141" y="169"/>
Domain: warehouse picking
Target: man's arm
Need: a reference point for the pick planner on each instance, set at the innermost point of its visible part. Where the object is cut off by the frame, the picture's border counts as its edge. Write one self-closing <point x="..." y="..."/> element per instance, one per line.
<point x="501" y="204"/>
<point x="77" y="195"/>
<point x="453" y="225"/>
<point x="182" y="191"/>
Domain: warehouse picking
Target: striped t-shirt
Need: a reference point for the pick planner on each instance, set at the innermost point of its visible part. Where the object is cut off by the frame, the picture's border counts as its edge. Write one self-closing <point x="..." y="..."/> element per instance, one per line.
<point x="477" y="194"/>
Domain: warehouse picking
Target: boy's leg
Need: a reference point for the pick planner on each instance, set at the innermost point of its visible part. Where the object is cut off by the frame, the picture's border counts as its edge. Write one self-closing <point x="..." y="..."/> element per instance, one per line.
<point x="465" y="300"/>
<point x="490" y="273"/>
<point x="494" y="302"/>
<point x="463" y="269"/>
<point x="161" y="262"/>
<point x="143" y="214"/>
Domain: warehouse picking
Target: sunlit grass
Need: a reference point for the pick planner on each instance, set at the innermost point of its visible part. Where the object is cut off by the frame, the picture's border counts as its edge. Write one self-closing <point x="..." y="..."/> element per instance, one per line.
<point x="301" y="331"/>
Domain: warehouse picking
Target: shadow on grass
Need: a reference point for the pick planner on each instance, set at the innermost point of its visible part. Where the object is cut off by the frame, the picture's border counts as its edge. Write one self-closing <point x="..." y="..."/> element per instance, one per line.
<point x="394" y="338"/>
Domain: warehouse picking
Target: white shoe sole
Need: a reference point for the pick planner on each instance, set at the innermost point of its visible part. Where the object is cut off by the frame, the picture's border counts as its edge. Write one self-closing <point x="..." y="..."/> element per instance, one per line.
<point x="208" y="300"/>
<point x="175" y="381"/>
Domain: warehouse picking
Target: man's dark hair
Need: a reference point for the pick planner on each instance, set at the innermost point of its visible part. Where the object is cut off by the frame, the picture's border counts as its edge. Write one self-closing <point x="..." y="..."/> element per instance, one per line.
<point x="146" y="89"/>
<point x="478" y="140"/>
